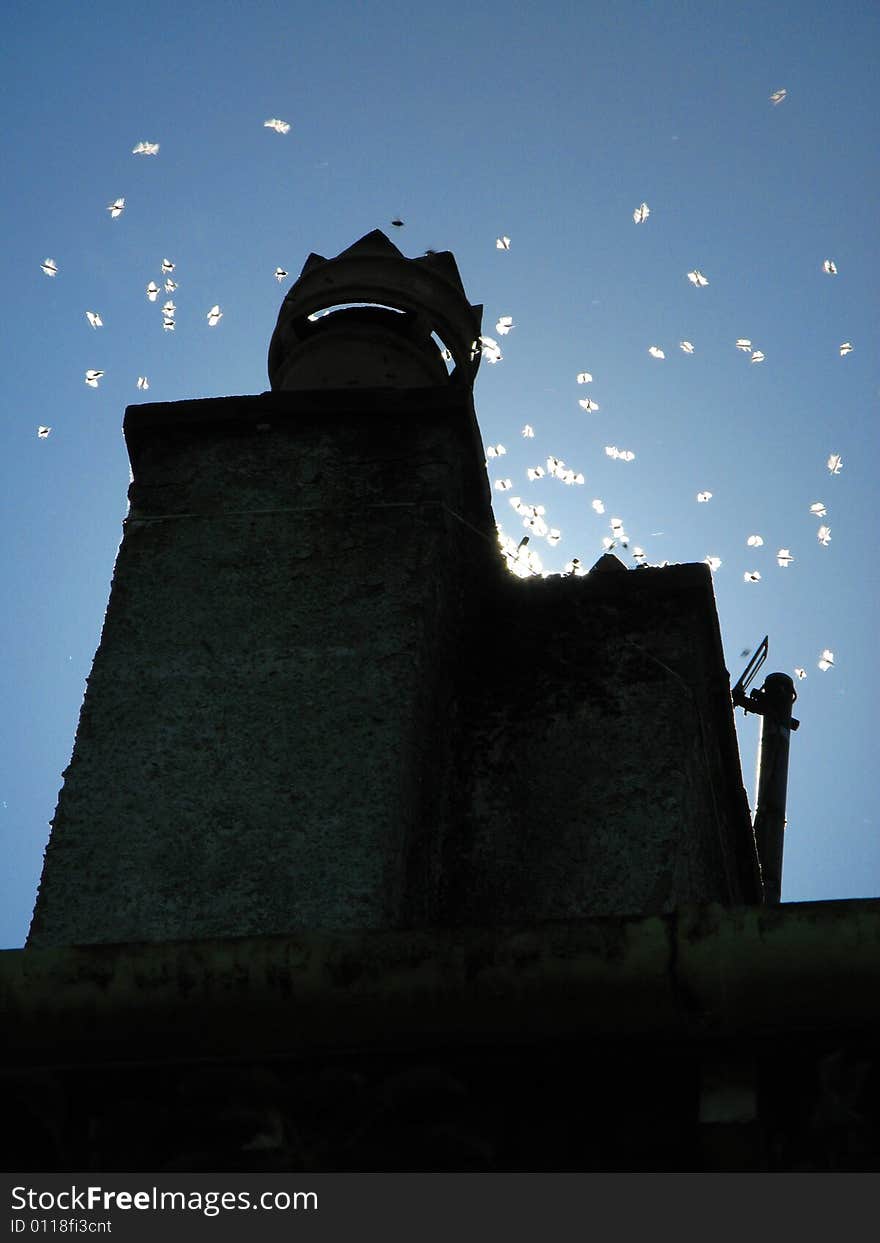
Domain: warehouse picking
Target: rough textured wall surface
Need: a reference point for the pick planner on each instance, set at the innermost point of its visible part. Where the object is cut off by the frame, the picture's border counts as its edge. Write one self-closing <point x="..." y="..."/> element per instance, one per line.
<point x="320" y="702"/>
<point x="262" y="733"/>
<point x="602" y="773"/>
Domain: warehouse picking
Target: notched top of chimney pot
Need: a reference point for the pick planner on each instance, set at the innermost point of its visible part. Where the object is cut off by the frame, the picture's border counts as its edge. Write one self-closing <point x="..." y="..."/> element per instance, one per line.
<point x="381" y="311"/>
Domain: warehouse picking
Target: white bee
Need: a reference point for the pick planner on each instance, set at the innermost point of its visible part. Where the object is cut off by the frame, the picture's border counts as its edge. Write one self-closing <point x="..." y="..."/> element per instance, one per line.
<point x="50" y="267"/>
<point x="94" y="319"/>
<point x="639" y="556"/>
<point x="167" y="267"/>
<point x="686" y="347"/>
<point x="823" y="535"/>
<point x="590" y="406"/>
<point x="830" y="267"/>
<point x="641" y="213"/>
<point x="835" y="463"/>
<point x="826" y="660"/>
<point x="43" y="432"/>
<point x="280" y="127"/>
<point x="503" y="485"/>
<point x="751" y="576"/>
<point x="784" y="558"/>
<point x="92" y="378"/>
<point x="280" y="274"/>
<point x="584" y="377"/>
<point x="554" y="535"/>
<point x="800" y="674"/>
<point x="146" y="148"/>
<point x="502" y="243"/>
<point x="598" y="506"/>
<point x="778" y="96"/>
<point x="170" y="285"/>
<point x="143" y="382"/>
<point x="489" y="348"/>
<point x="755" y="541"/>
<point x="655" y="351"/>
<point x="520" y="561"/>
<point x="743" y="343"/>
<point x="495" y="451"/>
<point x="504" y="325"/>
<point x="168" y="323"/>
<point x="535" y="472"/>
<point x="818" y="508"/>
<point x="528" y="431"/>
<point x="214" y="316"/>
<point x="703" y="497"/>
<point x="622" y="455"/>
<point x="697" y="278"/>
<point x="168" y="308"/>
<point x="714" y="563"/>
<point x="757" y="356"/>
<point x="846" y="348"/>
<point x="152" y="291"/>
<point x="116" y="208"/>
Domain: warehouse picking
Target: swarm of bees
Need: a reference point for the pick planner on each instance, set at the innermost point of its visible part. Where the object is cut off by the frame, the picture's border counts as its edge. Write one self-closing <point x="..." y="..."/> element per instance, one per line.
<point x="526" y="561"/>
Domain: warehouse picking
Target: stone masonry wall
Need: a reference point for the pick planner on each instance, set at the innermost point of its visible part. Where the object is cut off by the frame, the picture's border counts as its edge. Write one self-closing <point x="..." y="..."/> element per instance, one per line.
<point x="320" y="701"/>
<point x="253" y="750"/>
<point x="602" y="773"/>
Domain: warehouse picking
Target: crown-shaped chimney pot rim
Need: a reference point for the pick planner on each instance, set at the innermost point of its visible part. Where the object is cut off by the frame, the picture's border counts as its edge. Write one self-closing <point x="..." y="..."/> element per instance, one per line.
<point x="373" y="271"/>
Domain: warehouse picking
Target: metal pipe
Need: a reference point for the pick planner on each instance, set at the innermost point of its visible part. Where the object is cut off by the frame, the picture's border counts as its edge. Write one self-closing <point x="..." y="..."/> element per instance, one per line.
<point x="777" y="696"/>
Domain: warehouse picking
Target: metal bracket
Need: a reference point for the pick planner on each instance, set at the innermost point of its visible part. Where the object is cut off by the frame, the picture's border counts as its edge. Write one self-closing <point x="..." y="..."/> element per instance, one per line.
<point x="756" y="701"/>
<point x="757" y="660"/>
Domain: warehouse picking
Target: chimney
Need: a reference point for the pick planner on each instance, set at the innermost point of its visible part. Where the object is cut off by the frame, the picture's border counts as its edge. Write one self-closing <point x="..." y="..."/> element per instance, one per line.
<point x="264" y="728"/>
<point x="320" y="702"/>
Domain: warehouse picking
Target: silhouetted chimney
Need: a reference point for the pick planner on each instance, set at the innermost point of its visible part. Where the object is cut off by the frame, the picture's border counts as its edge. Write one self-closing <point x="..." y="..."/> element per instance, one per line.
<point x="321" y="702"/>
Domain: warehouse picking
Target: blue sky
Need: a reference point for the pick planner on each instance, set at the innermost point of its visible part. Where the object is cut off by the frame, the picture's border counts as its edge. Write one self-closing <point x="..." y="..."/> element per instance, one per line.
<point x="548" y="124"/>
